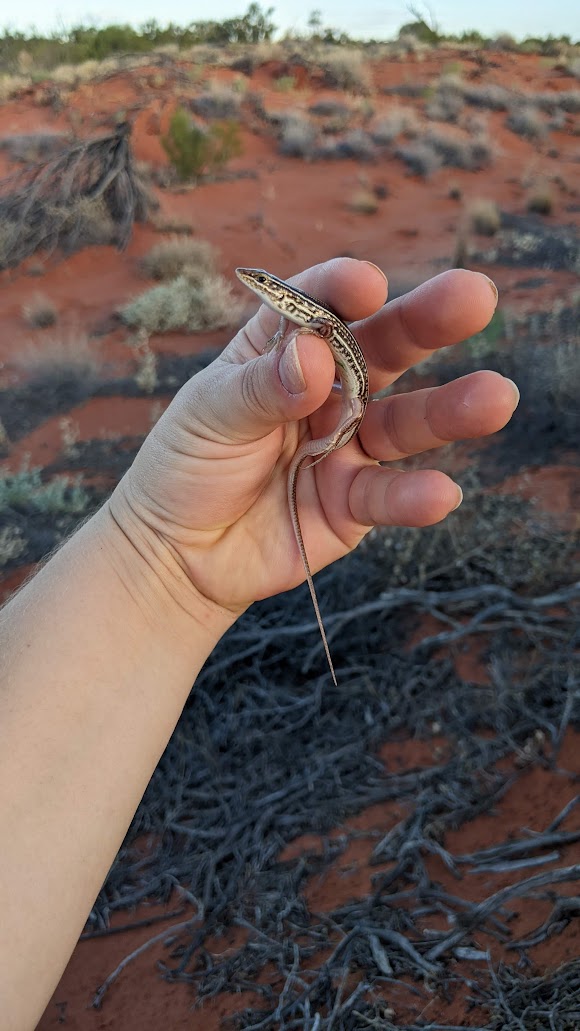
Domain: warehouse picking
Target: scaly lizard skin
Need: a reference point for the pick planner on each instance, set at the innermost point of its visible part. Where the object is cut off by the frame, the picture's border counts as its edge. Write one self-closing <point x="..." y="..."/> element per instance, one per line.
<point x="293" y="305"/>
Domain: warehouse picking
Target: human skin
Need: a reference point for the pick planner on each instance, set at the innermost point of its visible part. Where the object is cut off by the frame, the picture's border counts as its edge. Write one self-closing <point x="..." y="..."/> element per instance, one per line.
<point x="99" y="651"/>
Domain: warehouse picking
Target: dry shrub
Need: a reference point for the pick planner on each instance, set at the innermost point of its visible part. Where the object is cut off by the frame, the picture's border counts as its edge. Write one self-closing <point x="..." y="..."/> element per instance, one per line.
<point x="357" y="144"/>
<point x="345" y="68"/>
<point x="8" y="240"/>
<point x="191" y="302"/>
<point x="35" y="268"/>
<point x="30" y="147"/>
<point x="86" y="222"/>
<point x="59" y="354"/>
<point x="484" y="216"/>
<point x="40" y="312"/>
<point x="565" y="100"/>
<point x="330" y="108"/>
<point x="527" y="121"/>
<point x="11" y="84"/>
<point x="11" y="544"/>
<point x="420" y="158"/>
<point x="89" y="193"/>
<point x="400" y="121"/>
<point x="298" y="137"/>
<point x="447" y="101"/>
<point x="491" y="96"/>
<point x="504" y="42"/>
<point x="540" y="200"/>
<point x="146" y="373"/>
<point x="219" y="101"/>
<point x="171" y="224"/>
<point x="73" y="74"/>
<point x="460" y="151"/>
<point x="364" y="201"/>
<point x="169" y="258"/>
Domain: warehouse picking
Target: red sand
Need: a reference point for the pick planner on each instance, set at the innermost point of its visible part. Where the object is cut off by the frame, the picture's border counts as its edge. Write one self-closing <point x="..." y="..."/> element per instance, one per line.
<point x="290" y="215"/>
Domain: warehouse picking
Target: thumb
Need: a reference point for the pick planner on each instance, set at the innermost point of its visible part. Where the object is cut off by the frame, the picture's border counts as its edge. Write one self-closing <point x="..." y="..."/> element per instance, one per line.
<point x="286" y="384"/>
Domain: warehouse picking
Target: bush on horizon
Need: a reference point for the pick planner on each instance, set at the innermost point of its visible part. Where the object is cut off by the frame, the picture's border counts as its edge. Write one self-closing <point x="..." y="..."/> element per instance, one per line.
<point x="29" y="53"/>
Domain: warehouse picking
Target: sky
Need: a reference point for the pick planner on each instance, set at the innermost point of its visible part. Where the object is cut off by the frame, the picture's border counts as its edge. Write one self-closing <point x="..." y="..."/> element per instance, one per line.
<point x="364" y="18"/>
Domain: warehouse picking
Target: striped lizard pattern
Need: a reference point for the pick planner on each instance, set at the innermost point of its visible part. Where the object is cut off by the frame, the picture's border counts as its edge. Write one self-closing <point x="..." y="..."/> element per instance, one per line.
<point x="294" y="305"/>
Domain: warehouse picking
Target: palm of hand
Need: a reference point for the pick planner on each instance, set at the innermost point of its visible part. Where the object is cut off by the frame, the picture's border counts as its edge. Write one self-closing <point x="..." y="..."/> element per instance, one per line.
<point x="222" y="505"/>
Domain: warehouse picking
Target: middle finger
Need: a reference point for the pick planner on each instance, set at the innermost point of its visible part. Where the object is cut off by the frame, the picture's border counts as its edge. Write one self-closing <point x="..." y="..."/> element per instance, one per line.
<point x="406" y="424"/>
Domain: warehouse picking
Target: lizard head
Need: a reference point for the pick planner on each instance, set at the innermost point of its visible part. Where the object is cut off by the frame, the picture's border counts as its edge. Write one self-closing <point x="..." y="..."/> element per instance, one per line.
<point x="268" y="287"/>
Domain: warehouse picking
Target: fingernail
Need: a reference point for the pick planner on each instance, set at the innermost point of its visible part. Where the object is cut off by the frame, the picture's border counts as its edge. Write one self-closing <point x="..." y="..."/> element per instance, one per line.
<point x="289" y="368"/>
<point x="460" y="493"/>
<point x="372" y="265"/>
<point x="493" y="289"/>
<point x="514" y="388"/>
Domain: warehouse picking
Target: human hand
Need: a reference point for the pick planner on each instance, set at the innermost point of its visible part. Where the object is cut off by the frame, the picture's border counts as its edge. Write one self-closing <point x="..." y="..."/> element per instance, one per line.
<point x="209" y="483"/>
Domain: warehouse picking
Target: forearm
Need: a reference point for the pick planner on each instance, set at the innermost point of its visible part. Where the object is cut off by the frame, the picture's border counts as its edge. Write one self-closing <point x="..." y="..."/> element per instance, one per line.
<point x="97" y="657"/>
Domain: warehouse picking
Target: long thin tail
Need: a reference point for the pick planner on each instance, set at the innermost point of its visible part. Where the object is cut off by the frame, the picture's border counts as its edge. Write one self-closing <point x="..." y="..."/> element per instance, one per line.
<point x="293" y="476"/>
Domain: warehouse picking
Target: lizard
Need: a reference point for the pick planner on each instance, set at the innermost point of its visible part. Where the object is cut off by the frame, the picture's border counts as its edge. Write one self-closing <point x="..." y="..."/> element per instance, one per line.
<point x="296" y="306"/>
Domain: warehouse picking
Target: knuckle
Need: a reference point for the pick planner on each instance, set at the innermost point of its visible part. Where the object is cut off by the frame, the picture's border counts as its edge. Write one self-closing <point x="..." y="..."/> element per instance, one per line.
<point x="392" y="427"/>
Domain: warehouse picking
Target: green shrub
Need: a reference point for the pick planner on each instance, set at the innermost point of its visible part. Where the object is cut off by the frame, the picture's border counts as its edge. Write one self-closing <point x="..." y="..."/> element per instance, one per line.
<point x="195" y="151"/>
<point x="25" y="490"/>
<point x="285" y="83"/>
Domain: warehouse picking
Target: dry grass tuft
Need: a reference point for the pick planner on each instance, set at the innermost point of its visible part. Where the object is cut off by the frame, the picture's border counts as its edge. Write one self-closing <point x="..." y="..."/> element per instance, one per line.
<point x="527" y="121"/>
<point x="169" y="258"/>
<point x="420" y="158"/>
<point x="484" y="216"/>
<point x="40" y="312"/>
<point x="191" y="302"/>
<point x="298" y="139"/>
<point x="171" y="224"/>
<point x="458" y="150"/>
<point x="400" y="121"/>
<point x="364" y="201"/>
<point x="540" y="200"/>
<point x="344" y="68"/>
<point x="11" y="84"/>
<point x="219" y="101"/>
<point x="60" y="354"/>
<point x="146" y="373"/>
<point x="11" y="544"/>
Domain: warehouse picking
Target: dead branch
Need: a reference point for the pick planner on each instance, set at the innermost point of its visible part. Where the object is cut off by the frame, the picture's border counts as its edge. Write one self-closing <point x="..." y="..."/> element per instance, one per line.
<point x="90" y="193"/>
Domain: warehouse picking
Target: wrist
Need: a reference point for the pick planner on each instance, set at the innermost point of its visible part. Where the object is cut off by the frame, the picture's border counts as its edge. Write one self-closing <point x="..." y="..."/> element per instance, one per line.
<point x="155" y="579"/>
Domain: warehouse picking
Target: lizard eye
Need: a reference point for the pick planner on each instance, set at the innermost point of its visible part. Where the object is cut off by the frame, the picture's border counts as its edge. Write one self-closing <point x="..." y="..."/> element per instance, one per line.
<point x="261" y="279"/>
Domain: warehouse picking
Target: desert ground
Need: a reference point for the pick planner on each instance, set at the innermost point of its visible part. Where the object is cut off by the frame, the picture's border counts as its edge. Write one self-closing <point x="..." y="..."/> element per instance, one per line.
<point x="402" y="851"/>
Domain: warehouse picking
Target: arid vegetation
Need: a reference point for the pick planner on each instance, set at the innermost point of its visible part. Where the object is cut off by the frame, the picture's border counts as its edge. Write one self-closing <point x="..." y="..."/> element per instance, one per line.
<point x="324" y="837"/>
